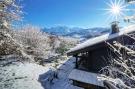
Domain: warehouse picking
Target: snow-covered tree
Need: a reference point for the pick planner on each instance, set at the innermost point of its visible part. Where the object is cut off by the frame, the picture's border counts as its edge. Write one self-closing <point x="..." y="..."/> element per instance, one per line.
<point x="35" y="41"/>
<point x="130" y="18"/>
<point x="120" y="74"/>
<point x="130" y="1"/>
<point x="9" y="12"/>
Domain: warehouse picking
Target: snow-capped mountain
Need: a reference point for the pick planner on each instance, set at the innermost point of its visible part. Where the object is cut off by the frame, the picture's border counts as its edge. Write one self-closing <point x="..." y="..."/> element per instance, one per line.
<point x="76" y="32"/>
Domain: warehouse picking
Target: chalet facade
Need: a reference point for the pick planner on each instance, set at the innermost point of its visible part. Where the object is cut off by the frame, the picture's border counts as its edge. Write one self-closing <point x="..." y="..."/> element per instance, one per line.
<point x="92" y="55"/>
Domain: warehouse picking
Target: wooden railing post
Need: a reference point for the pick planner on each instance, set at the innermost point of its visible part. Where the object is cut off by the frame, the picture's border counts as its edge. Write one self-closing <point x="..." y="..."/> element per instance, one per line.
<point x="76" y="62"/>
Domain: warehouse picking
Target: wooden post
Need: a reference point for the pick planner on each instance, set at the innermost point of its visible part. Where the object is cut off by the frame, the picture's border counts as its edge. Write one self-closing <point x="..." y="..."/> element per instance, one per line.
<point x="76" y="62"/>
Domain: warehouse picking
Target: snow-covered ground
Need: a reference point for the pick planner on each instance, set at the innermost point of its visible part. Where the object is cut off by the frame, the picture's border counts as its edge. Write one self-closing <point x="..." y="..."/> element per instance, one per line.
<point x="21" y="76"/>
<point x="64" y="70"/>
<point x="62" y="82"/>
<point x="18" y="75"/>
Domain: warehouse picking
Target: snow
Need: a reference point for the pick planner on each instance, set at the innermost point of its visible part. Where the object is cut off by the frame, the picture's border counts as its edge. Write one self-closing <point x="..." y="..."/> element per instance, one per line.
<point x="21" y="76"/>
<point x="32" y="70"/>
<point x="131" y="2"/>
<point x="63" y="72"/>
<point x="100" y="39"/>
<point x="18" y="75"/>
<point x="86" y="77"/>
<point x="26" y="75"/>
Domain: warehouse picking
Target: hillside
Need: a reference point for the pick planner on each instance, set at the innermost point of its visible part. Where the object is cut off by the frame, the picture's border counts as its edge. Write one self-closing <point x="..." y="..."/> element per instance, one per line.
<point x="27" y="53"/>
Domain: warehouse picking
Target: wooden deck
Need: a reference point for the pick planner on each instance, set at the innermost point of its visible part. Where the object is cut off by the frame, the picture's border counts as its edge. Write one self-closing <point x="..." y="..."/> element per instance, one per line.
<point x="86" y="77"/>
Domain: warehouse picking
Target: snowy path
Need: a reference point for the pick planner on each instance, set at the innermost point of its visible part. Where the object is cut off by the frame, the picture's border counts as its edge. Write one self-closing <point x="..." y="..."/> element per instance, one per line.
<point x="62" y="82"/>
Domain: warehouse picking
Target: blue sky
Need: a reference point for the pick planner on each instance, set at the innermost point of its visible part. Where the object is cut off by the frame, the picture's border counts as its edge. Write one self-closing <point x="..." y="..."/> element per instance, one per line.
<point x="72" y="13"/>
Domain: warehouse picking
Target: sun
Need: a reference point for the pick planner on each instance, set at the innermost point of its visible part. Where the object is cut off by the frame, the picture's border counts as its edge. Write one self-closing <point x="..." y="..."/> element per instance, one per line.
<point x="116" y="9"/>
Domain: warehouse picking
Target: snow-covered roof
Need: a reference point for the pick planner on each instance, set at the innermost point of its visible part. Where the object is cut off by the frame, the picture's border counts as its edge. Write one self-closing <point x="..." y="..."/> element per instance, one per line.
<point x="86" y="77"/>
<point x="79" y="48"/>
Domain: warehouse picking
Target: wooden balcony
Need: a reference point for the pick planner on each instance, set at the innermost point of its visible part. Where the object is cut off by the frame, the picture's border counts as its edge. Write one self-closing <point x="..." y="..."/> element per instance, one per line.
<point x="86" y="80"/>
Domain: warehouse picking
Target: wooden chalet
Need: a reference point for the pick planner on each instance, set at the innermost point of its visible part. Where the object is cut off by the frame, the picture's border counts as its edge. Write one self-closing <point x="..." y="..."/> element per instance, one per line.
<point x="92" y="55"/>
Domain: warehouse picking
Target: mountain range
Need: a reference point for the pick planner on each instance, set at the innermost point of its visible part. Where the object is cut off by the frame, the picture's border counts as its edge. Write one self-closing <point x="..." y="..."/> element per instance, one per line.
<point x="76" y="32"/>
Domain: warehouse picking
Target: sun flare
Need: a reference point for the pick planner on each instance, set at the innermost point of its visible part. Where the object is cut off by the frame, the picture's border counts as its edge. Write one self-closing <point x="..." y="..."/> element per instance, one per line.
<point x="116" y="9"/>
